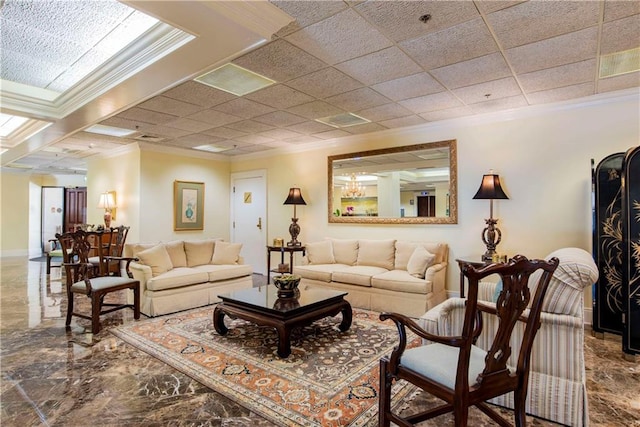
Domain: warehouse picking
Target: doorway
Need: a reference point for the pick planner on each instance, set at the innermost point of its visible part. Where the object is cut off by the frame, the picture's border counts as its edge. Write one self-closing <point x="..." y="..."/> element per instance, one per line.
<point x="75" y="207"/>
<point x="51" y="215"/>
<point x="249" y="217"/>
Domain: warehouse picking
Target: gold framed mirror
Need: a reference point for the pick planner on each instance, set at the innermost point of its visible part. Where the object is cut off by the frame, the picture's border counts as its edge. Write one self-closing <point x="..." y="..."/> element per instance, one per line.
<point x="413" y="184"/>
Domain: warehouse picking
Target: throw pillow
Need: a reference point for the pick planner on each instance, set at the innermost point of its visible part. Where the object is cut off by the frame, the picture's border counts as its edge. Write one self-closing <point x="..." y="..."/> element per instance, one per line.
<point x="345" y="251"/>
<point x="419" y="261"/>
<point x="157" y="258"/>
<point x="199" y="252"/>
<point x="320" y="252"/>
<point x="176" y="252"/>
<point x="404" y="250"/>
<point x="377" y="253"/>
<point x="226" y="253"/>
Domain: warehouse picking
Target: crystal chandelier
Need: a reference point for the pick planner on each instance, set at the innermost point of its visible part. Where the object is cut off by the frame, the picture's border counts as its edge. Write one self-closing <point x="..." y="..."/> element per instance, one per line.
<point x="353" y="188"/>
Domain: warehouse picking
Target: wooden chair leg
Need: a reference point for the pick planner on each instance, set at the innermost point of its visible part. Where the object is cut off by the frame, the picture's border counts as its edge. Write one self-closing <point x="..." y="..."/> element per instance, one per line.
<point x="69" y="308"/>
<point x="519" y="397"/>
<point x="384" y="405"/>
<point x="136" y="302"/>
<point x="460" y="412"/>
<point x="96" y="307"/>
<point x="48" y="263"/>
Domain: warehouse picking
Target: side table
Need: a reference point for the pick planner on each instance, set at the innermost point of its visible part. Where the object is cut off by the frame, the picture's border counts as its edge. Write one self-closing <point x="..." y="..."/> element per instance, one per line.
<point x="473" y="260"/>
<point x="282" y="249"/>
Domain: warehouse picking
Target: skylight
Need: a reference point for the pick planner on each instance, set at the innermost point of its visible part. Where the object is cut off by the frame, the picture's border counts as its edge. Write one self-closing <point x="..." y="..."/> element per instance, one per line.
<point x="9" y="123"/>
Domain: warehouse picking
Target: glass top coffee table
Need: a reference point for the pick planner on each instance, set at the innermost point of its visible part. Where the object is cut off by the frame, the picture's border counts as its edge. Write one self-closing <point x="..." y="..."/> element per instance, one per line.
<point x="263" y="307"/>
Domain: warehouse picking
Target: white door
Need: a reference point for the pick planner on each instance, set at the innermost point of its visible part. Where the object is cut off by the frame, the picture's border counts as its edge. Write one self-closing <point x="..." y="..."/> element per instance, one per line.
<point x="249" y="217"/>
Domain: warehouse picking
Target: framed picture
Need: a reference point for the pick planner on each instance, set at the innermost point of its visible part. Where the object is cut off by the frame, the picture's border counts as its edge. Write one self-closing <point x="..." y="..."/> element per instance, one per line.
<point x="188" y="205"/>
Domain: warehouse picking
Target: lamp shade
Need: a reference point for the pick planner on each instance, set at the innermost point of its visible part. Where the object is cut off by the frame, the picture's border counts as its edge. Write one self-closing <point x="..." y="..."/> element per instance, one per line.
<point x="294" y="197"/>
<point x="106" y="201"/>
<point x="490" y="188"/>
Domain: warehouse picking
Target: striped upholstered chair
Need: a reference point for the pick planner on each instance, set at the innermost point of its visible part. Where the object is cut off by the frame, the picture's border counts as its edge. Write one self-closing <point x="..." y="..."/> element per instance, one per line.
<point x="557" y="384"/>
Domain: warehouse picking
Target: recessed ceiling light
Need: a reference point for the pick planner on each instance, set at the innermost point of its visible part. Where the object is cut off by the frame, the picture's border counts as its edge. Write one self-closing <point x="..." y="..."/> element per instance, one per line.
<point x="343" y="120"/>
<point x="234" y="79"/>
<point x="615" y="64"/>
<point x="110" y="130"/>
<point x="211" y="148"/>
<point x="9" y="123"/>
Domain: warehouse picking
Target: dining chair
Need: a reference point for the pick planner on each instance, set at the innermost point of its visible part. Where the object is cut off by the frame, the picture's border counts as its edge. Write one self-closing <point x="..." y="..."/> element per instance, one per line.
<point x="82" y="278"/>
<point x="452" y="368"/>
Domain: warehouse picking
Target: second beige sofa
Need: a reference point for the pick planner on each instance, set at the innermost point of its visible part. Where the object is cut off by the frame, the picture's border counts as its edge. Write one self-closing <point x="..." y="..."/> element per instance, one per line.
<point x="379" y="275"/>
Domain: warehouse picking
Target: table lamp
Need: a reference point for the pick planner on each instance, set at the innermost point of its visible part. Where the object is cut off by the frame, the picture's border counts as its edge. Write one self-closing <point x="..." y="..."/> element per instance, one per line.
<point x="490" y="188"/>
<point x="294" y="198"/>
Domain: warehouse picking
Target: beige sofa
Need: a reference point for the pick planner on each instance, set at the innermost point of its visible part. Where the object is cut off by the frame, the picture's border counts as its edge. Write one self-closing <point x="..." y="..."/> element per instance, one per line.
<point x="179" y="275"/>
<point x="557" y="383"/>
<point x="379" y="275"/>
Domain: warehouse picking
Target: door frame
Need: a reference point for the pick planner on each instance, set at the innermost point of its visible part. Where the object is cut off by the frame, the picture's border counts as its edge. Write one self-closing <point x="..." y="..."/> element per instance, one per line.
<point x="258" y="173"/>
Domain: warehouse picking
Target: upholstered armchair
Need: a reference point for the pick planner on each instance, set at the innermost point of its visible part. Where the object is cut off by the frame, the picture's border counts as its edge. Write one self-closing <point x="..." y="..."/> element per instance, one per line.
<point x="557" y="384"/>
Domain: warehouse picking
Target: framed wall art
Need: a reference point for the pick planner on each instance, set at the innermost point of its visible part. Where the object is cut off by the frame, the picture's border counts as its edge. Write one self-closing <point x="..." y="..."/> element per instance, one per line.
<point x="188" y="205"/>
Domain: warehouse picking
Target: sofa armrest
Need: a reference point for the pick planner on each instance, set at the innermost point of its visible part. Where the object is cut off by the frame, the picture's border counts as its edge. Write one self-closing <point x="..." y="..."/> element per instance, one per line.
<point x="142" y="273"/>
<point x="437" y="275"/>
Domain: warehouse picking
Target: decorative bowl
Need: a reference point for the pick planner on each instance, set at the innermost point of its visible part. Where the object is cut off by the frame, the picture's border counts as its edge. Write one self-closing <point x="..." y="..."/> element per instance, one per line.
<point x="287" y="284"/>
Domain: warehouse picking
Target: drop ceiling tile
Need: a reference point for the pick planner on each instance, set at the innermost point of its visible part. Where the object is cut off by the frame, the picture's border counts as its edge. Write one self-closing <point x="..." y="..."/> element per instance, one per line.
<point x="310" y="127"/>
<point x="279" y="119"/>
<point x="340" y="37"/>
<point x="279" y="96"/>
<point x="409" y="87"/>
<point x="199" y="94"/>
<point x="249" y="126"/>
<point x="254" y="139"/>
<point x="447" y="113"/>
<point x="403" y="122"/>
<point x="502" y="88"/>
<point x="459" y="43"/>
<point x="255" y="148"/>
<point x="146" y="116"/>
<point x="189" y="125"/>
<point x="365" y="128"/>
<point x="315" y="110"/>
<point x="624" y="81"/>
<point x="614" y="10"/>
<point x="620" y="35"/>
<point x="560" y="50"/>
<point x="336" y="133"/>
<point x="381" y="66"/>
<point x="499" y="104"/>
<point x="280" y="134"/>
<point x="27" y="69"/>
<point x="384" y="112"/>
<point x="400" y="19"/>
<point x="162" y="104"/>
<point x="488" y="6"/>
<point x="325" y="83"/>
<point x="533" y="21"/>
<point x="215" y="118"/>
<point x="243" y="108"/>
<point x="427" y="103"/>
<point x="310" y="12"/>
<point x="473" y="71"/>
<point x="162" y="131"/>
<point x="121" y="122"/>
<point x="196" y="139"/>
<point x="225" y="132"/>
<point x="357" y="99"/>
<point x="564" y="75"/>
<point x="303" y="139"/>
<point x="280" y="61"/>
<point x="562" y="94"/>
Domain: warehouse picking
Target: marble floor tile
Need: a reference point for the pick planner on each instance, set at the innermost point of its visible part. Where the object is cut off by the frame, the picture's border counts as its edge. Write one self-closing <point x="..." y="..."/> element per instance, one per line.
<point x="52" y="376"/>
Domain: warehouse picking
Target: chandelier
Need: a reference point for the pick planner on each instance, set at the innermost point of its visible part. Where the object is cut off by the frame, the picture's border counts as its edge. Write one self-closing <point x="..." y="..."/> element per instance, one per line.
<point x="353" y="188"/>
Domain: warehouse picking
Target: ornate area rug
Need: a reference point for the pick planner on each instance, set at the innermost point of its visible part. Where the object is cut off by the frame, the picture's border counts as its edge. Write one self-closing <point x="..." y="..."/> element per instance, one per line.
<point x="330" y="379"/>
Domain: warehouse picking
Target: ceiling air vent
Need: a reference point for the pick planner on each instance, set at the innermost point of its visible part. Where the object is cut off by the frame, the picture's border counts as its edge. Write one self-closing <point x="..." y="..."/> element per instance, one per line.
<point x="149" y="138"/>
<point x="343" y="120"/>
<point x="619" y="63"/>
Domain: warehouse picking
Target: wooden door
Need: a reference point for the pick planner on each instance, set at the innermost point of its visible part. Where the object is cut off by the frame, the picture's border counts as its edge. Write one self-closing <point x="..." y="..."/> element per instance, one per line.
<point x="75" y="207"/>
<point x="426" y="206"/>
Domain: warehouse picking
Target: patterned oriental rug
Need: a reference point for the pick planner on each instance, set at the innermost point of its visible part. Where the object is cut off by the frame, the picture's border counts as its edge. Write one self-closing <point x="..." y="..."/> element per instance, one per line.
<point x="329" y="380"/>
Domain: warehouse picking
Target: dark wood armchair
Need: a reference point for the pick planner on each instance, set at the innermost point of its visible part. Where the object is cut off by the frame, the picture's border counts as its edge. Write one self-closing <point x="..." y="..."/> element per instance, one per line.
<point x="107" y="247"/>
<point x="82" y="278"/>
<point x="452" y="368"/>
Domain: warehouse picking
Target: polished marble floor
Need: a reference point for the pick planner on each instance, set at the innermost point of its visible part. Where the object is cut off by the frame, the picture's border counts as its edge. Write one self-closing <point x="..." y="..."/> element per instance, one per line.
<point x="57" y="377"/>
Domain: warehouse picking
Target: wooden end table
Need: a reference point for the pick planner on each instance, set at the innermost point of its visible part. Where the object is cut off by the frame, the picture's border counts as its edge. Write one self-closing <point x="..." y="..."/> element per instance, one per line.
<point x="262" y="306"/>
<point x="282" y="249"/>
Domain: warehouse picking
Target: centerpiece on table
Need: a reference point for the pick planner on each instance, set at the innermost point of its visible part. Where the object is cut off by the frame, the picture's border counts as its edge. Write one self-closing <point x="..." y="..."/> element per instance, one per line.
<point x="287" y="285"/>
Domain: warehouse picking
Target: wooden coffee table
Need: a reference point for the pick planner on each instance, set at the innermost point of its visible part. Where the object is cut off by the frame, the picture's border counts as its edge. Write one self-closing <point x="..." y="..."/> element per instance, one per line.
<point x="263" y="307"/>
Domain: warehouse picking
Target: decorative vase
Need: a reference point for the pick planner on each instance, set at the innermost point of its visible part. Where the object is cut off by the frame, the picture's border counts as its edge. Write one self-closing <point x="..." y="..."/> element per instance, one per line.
<point x="287" y="285"/>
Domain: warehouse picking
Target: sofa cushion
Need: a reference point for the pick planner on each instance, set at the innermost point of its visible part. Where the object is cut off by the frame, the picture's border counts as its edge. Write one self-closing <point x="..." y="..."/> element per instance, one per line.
<point x="404" y="250"/>
<point x="198" y="251"/>
<point x="320" y="272"/>
<point x="345" y="251"/>
<point x="357" y="275"/>
<point x="419" y="261"/>
<point x="176" y="278"/>
<point x="133" y="249"/>
<point x="224" y="272"/>
<point x="226" y="253"/>
<point x="320" y="252"/>
<point x="157" y="258"/>
<point x="401" y="281"/>
<point x="175" y="249"/>
<point x="377" y="253"/>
